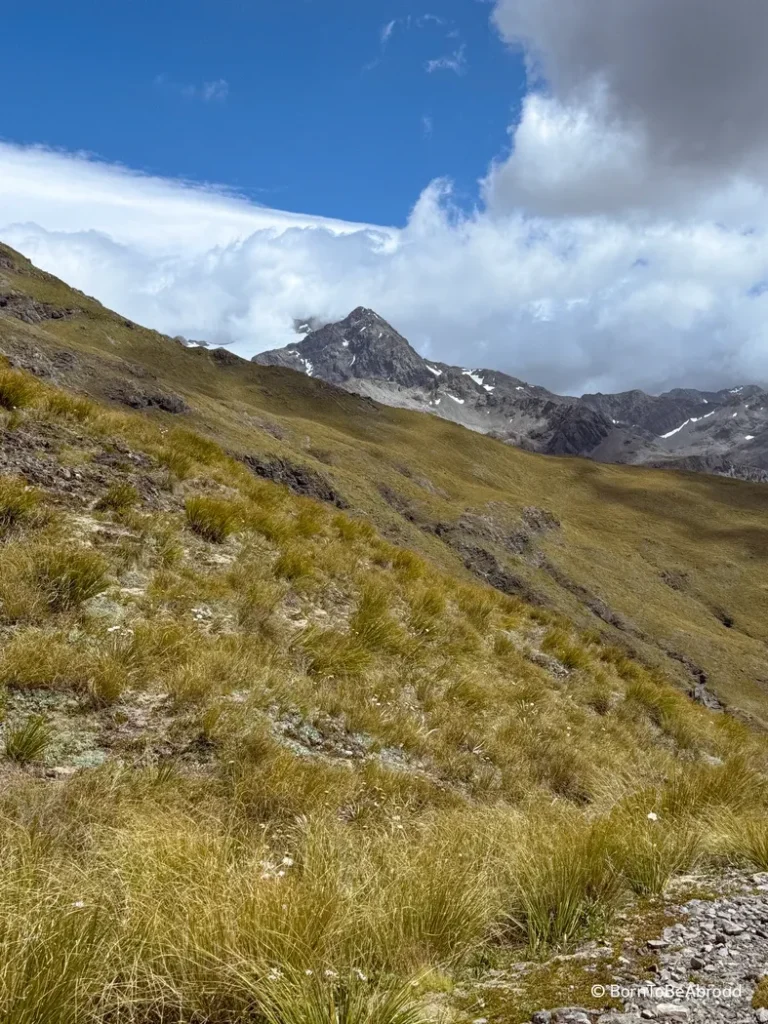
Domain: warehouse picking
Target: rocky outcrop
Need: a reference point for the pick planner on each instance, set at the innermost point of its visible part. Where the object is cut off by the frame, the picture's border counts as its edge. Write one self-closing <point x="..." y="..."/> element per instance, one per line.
<point x="30" y="310"/>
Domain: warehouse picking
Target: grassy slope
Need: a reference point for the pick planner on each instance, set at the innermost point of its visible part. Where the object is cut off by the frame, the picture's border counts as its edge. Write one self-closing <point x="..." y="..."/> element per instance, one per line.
<point x="259" y="761"/>
<point x="622" y="526"/>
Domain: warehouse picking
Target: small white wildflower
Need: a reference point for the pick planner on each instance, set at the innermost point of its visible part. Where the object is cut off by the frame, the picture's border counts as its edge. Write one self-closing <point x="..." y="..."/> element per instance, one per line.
<point x="113" y="629"/>
<point x="360" y="976"/>
<point x="275" y="974"/>
<point x="288" y="861"/>
<point x="652" y="816"/>
<point x="280" y="874"/>
<point x="309" y="972"/>
<point x="79" y="904"/>
<point x="330" y="973"/>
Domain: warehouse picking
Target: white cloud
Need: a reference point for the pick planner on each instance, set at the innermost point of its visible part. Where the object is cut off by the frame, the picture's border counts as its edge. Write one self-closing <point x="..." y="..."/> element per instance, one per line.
<point x="648" y="105"/>
<point x="575" y="303"/>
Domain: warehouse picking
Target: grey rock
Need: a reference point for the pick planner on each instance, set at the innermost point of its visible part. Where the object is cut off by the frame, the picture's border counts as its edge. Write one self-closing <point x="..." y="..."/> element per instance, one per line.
<point x="672" y="1011"/>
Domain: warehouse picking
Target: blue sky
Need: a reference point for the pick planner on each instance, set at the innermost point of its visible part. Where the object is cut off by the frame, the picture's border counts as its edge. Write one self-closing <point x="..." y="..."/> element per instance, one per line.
<point x="149" y="151"/>
<point x="300" y="104"/>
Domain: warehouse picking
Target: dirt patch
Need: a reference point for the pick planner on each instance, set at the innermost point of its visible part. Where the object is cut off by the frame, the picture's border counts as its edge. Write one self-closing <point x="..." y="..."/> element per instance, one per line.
<point x="299" y="479"/>
<point x="674" y="580"/>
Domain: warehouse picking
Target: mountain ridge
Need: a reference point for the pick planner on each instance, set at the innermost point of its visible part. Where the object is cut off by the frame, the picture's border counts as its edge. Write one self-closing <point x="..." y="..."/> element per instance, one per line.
<point x="681" y="428"/>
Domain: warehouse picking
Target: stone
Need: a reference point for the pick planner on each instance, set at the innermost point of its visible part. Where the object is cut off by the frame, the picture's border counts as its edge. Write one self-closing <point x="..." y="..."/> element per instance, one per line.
<point x="570" y="1015"/>
<point x="63" y="771"/>
<point x="658" y="943"/>
<point x="761" y="1016"/>
<point x="697" y="963"/>
<point x="734" y="928"/>
<point x="541" y="1017"/>
<point x="672" y="1011"/>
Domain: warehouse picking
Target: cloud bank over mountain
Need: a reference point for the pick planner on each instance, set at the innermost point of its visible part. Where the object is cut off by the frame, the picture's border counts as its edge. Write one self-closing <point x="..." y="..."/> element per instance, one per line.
<point x="620" y="243"/>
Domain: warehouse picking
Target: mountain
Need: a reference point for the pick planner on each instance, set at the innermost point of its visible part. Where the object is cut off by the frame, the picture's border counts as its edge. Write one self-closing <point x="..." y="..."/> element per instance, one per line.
<point x="317" y="709"/>
<point x="724" y="432"/>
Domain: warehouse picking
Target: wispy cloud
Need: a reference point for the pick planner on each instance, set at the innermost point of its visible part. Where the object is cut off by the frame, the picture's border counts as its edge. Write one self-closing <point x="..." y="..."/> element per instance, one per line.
<point x="215" y="91"/>
<point x="386" y="31"/>
<point x="456" y="62"/>
<point x="411" y="21"/>
<point x="427" y="126"/>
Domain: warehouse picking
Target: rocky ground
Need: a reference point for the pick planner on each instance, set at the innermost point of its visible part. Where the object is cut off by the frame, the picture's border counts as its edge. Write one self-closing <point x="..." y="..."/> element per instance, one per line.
<point x="706" y="969"/>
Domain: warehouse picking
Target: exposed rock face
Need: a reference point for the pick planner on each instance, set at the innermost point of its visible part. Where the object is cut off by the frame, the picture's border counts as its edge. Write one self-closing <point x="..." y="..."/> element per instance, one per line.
<point x="723" y="432"/>
<point x="30" y="310"/>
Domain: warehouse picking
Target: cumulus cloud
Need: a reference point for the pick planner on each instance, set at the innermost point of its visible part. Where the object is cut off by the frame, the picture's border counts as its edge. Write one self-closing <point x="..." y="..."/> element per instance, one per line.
<point x="575" y="303"/>
<point x="643" y="104"/>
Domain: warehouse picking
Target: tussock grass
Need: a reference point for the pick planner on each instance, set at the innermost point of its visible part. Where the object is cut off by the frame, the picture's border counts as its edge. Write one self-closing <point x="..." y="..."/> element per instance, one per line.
<point x="45" y="578"/>
<point x="37" y="659"/>
<point x="557" y="642"/>
<point x="331" y="653"/>
<point x="372" y="623"/>
<point x="355" y="766"/>
<point x="571" y="889"/>
<point x="17" y="390"/>
<point x="20" y="505"/>
<point x="59" y="403"/>
<point x="296" y="565"/>
<point x="213" y="519"/>
<point x="65" y="576"/>
<point x="27" y="741"/>
<point x="120" y="497"/>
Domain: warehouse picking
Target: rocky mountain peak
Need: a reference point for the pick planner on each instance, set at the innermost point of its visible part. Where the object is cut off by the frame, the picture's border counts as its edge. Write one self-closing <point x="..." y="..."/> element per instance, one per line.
<point x="361" y="346"/>
<point x="724" y="431"/>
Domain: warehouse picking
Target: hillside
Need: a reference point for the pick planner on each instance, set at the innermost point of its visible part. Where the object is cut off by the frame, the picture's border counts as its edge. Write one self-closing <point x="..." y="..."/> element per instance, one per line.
<point x="724" y="432"/>
<point x="263" y="764"/>
<point x="669" y="566"/>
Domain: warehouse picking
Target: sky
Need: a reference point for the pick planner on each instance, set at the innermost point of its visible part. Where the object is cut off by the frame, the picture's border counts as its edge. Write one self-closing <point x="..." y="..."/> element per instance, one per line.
<point x="572" y="192"/>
